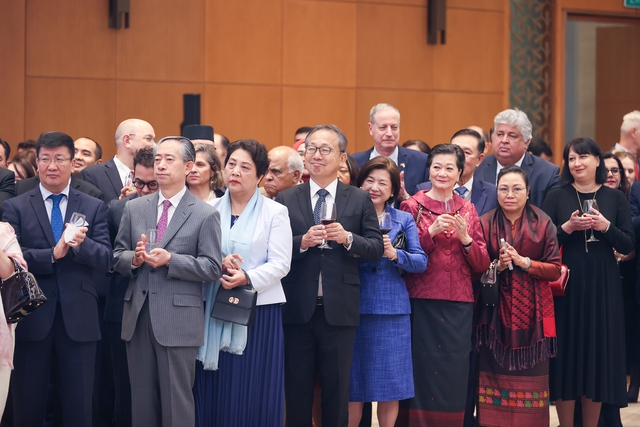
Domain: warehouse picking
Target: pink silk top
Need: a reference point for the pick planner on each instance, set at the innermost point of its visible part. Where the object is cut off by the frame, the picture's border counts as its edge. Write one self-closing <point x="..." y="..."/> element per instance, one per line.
<point x="450" y="268"/>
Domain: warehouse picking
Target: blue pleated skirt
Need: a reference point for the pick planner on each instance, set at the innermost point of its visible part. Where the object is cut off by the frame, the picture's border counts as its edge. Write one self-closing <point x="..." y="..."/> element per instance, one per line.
<point x="381" y="370"/>
<point x="246" y="390"/>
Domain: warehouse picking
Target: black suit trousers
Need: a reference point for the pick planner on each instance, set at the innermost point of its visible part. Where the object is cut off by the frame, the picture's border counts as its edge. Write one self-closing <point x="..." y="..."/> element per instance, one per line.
<point x="312" y="348"/>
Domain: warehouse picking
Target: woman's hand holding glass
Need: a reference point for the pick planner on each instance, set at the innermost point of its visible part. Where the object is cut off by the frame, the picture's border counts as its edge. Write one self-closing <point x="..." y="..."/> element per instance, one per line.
<point x="509" y="254"/>
<point x="443" y="222"/>
<point x="578" y="222"/>
<point x="598" y="221"/>
<point x="389" y="251"/>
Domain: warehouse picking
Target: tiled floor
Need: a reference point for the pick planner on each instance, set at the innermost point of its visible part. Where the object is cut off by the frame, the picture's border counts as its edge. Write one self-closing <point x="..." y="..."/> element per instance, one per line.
<point x="630" y="416"/>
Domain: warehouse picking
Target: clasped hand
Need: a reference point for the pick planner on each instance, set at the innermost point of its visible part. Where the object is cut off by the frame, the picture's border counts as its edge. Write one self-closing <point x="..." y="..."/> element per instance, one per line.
<point x="577" y="222"/>
<point x="445" y="222"/>
<point x="316" y="234"/>
<point x="62" y="248"/>
<point x="508" y="255"/>
<point x="156" y="258"/>
<point x="234" y="276"/>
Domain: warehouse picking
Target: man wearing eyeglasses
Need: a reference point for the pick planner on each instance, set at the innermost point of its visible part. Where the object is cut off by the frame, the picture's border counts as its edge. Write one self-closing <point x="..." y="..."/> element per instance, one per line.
<point x="58" y="339"/>
<point x="111" y="176"/>
<point x="323" y="286"/>
<point x="509" y="142"/>
<point x="145" y="183"/>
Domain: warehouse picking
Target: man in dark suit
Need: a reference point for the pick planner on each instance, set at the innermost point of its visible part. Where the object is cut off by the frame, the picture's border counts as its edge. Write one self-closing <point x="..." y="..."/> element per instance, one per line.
<point x="163" y="317"/>
<point x="26" y="185"/>
<point x="7" y="186"/>
<point x="145" y="183"/>
<point x="384" y="127"/>
<point x="62" y="334"/>
<point x="323" y="286"/>
<point x="111" y="176"/>
<point x="511" y="138"/>
<point x="482" y="194"/>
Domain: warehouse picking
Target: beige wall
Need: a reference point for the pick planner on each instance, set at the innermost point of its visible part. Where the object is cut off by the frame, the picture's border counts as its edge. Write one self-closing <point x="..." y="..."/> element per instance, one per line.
<point x="263" y="67"/>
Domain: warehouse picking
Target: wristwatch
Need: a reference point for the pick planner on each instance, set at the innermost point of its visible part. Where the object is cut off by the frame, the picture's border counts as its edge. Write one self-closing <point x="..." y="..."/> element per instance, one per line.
<point x="349" y="239"/>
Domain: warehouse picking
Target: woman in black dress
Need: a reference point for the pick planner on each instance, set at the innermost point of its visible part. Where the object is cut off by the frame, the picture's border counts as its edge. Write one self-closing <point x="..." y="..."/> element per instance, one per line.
<point x="590" y="362"/>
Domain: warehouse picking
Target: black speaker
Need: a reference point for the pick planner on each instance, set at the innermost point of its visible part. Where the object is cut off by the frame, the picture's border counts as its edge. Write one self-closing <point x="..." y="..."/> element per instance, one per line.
<point x="191" y="109"/>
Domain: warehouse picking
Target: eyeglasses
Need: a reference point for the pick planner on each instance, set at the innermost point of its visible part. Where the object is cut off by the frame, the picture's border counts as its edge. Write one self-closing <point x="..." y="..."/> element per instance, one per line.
<point x="504" y="191"/>
<point x="152" y="185"/>
<point x="325" y="151"/>
<point x="148" y="138"/>
<point x="613" y="171"/>
<point x="56" y="160"/>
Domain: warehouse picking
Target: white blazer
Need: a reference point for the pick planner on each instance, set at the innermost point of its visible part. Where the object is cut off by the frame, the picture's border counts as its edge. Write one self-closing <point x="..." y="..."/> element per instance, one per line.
<point x="271" y="248"/>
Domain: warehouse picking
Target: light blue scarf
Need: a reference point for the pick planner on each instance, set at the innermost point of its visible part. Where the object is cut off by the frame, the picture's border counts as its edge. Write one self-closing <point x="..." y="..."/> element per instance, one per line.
<point x="219" y="335"/>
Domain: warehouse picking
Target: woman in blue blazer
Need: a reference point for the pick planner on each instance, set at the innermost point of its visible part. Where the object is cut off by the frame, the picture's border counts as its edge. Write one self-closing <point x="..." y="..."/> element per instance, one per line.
<point x="381" y="370"/>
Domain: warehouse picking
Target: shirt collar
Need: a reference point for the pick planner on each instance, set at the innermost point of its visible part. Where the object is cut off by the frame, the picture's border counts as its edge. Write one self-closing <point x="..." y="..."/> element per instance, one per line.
<point x="123" y="170"/>
<point x="393" y="156"/>
<point x="174" y="200"/>
<point x="46" y="193"/>
<point x="332" y="188"/>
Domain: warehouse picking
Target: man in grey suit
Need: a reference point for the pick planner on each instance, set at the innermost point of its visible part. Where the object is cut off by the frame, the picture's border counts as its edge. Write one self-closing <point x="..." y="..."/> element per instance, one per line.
<point x="510" y="141"/>
<point x="163" y="319"/>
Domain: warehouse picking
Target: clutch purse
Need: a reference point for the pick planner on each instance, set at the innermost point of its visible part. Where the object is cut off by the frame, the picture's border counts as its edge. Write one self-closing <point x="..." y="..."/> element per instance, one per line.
<point x="559" y="287"/>
<point x="489" y="290"/>
<point x="235" y="305"/>
<point x="21" y="294"/>
<point x="400" y="242"/>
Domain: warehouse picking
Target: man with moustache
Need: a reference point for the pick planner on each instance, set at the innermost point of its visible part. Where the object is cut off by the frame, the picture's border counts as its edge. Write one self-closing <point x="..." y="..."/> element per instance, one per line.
<point x="323" y="286"/>
<point x="512" y="134"/>
<point x="285" y="169"/>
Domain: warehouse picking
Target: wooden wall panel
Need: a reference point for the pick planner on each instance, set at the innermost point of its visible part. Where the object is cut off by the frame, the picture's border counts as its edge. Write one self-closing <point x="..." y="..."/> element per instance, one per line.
<point x="243" y="41"/>
<point x="12" y="72"/>
<point x="416" y="114"/>
<point x="468" y="62"/>
<point x="75" y="107"/>
<point x="392" y="48"/>
<point x="420" y="3"/>
<point x="70" y="40"/>
<point x="159" y="103"/>
<point x="454" y="111"/>
<point x="496" y="5"/>
<point x="302" y="106"/>
<point x="319" y="41"/>
<point x="244" y="111"/>
<point x="164" y="42"/>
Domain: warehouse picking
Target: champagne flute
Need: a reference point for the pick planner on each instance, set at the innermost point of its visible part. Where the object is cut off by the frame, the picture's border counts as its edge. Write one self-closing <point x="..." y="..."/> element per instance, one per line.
<point x="327" y="216"/>
<point x="587" y="207"/>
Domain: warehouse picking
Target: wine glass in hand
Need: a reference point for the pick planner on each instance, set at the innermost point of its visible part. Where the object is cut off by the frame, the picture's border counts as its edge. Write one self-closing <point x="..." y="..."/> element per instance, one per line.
<point x="327" y="216"/>
<point x="385" y="222"/>
<point x="587" y="207"/>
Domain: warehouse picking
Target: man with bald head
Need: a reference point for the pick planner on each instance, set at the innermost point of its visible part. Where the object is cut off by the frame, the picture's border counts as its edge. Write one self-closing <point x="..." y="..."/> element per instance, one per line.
<point x="285" y="169"/>
<point x="87" y="153"/>
<point x="111" y="176"/>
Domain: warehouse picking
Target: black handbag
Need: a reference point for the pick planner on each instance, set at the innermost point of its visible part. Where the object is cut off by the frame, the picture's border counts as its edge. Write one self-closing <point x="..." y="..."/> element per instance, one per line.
<point x="21" y="294"/>
<point x="489" y="290"/>
<point x="400" y="242"/>
<point x="235" y="305"/>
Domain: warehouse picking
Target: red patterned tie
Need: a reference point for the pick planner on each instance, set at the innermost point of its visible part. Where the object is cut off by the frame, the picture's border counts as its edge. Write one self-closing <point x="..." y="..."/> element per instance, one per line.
<point x="164" y="219"/>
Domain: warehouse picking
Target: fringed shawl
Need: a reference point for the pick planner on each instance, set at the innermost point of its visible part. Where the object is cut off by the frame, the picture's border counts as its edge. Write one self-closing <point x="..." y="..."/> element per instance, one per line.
<point x="521" y="330"/>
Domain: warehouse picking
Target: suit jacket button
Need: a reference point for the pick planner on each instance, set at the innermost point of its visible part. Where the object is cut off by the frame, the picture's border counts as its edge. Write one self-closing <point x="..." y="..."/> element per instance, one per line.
<point x="144" y="292"/>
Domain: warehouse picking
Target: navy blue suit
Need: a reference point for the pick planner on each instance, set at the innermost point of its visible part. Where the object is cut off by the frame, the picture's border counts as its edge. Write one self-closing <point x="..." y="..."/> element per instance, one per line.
<point x="106" y="177"/>
<point x="484" y="195"/>
<point x="66" y="328"/>
<point x="543" y="175"/>
<point x="412" y="162"/>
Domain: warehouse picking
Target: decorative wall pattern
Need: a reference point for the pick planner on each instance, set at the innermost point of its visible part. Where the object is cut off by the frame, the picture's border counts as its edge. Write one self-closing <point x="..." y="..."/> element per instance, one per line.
<point x="530" y="62"/>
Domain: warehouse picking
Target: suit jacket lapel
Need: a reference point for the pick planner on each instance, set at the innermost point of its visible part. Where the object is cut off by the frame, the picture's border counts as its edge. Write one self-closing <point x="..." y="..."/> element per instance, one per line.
<point x="182" y="212"/>
<point x="114" y="177"/>
<point x="478" y="196"/>
<point x="304" y="201"/>
<point x="41" y="213"/>
<point x="403" y="158"/>
<point x="342" y="199"/>
<point x="73" y="205"/>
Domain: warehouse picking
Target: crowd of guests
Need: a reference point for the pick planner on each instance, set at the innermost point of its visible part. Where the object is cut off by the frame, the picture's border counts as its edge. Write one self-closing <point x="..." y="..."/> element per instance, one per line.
<point x="379" y="302"/>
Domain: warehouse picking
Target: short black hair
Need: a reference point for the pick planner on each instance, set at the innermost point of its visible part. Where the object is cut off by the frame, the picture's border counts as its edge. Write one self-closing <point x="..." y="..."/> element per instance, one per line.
<point x="98" y="150"/>
<point x="473" y="133"/>
<point x="27" y="145"/>
<point x="538" y="146"/>
<point x="144" y="157"/>
<point x="257" y="151"/>
<point x="448" y="149"/>
<point x="7" y="149"/>
<point x="55" y="140"/>
<point x="582" y="146"/>
<point x="422" y="146"/>
<point x="303" y="129"/>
